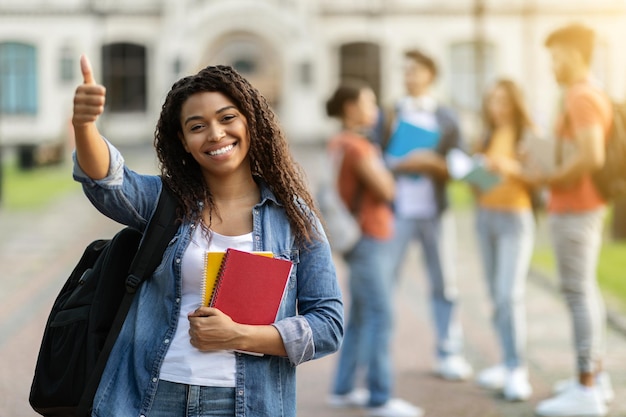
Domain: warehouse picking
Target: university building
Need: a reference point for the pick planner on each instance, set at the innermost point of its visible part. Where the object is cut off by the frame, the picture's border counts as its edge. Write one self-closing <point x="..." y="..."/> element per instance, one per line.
<point x="294" y="51"/>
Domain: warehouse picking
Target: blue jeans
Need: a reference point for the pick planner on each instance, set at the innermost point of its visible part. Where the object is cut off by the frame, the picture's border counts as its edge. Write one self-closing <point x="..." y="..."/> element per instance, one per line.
<point x="506" y="243"/>
<point x="180" y="400"/>
<point x="370" y="318"/>
<point x="442" y="282"/>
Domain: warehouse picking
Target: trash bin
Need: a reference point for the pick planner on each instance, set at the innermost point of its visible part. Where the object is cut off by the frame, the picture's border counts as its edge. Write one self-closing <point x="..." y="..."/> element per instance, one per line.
<point x="26" y="156"/>
<point x="618" y="227"/>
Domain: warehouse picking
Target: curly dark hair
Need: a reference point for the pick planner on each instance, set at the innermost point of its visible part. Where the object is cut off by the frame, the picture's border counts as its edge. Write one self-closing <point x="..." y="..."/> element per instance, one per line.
<point x="270" y="158"/>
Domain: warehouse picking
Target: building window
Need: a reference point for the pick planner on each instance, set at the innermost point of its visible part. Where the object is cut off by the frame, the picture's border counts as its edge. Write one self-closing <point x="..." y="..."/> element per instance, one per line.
<point x="306" y="73"/>
<point x="245" y="66"/>
<point x="124" y="75"/>
<point x="469" y="76"/>
<point x="67" y="66"/>
<point x="361" y="60"/>
<point x="18" y="78"/>
<point x="177" y="66"/>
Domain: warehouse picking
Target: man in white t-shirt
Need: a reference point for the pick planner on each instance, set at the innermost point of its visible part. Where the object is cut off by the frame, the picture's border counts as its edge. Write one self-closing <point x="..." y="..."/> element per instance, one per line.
<point x="422" y="133"/>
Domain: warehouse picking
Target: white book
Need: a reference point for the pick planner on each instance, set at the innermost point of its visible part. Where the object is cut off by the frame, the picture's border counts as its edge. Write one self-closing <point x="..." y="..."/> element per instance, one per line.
<point x="471" y="169"/>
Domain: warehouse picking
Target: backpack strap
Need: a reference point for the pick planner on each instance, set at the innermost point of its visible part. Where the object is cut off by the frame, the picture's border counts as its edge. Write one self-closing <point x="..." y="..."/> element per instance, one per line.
<point x="156" y="237"/>
<point x="159" y="232"/>
<point x="390" y="118"/>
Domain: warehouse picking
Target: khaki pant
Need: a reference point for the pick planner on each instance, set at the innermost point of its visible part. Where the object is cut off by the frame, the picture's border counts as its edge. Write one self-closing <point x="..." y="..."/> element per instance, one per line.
<point x="577" y="239"/>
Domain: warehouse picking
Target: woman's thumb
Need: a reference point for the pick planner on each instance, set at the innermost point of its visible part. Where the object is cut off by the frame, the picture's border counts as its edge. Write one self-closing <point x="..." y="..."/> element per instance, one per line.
<point x="85" y="68"/>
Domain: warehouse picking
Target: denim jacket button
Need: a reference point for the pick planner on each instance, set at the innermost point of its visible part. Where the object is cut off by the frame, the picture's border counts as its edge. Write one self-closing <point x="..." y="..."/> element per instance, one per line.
<point x="240" y="392"/>
<point x="177" y="260"/>
<point x="154" y="379"/>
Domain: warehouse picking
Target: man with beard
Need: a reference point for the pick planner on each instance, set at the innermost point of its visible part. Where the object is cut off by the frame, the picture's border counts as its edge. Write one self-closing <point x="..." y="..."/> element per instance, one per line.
<point x="576" y="212"/>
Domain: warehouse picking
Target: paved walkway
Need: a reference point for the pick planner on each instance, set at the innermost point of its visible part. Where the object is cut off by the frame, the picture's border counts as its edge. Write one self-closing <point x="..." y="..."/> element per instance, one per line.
<point x="38" y="250"/>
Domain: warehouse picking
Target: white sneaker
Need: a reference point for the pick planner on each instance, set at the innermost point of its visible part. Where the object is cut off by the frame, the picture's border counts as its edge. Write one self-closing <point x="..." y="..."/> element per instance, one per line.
<point x="358" y="397"/>
<point x="395" y="407"/>
<point x="492" y="378"/>
<point x="517" y="387"/>
<point x="603" y="381"/>
<point x="454" y="368"/>
<point x="578" y="401"/>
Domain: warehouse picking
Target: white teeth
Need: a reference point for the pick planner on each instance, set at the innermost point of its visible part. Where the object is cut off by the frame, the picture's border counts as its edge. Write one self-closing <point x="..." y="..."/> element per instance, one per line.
<point x="222" y="150"/>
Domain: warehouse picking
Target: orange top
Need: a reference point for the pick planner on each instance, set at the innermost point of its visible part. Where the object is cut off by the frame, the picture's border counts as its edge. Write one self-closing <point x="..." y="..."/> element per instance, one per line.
<point x="375" y="215"/>
<point x="585" y="106"/>
<point x="510" y="194"/>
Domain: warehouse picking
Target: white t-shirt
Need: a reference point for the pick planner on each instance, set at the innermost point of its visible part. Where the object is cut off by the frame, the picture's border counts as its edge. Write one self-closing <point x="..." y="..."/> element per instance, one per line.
<point x="184" y="364"/>
<point x="415" y="195"/>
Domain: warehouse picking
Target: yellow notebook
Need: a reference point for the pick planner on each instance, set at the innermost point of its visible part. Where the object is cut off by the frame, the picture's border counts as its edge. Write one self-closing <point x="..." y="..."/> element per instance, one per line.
<point x="212" y="264"/>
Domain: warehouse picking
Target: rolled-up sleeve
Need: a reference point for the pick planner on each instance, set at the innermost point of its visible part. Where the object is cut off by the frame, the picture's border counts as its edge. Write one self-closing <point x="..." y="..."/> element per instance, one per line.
<point x="298" y="339"/>
<point x="123" y="195"/>
<point x="115" y="175"/>
<point x="317" y="330"/>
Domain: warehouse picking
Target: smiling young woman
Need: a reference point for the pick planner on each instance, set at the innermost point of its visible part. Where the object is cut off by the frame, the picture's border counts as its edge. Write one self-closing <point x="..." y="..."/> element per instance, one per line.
<point x="216" y="133"/>
<point x="225" y="157"/>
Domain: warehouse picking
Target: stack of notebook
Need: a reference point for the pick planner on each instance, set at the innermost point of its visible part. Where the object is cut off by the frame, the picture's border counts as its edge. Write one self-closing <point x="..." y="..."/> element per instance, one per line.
<point x="247" y="286"/>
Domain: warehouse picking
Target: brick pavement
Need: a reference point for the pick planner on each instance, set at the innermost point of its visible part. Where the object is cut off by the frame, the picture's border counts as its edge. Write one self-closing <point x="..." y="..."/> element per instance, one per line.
<point x="37" y="251"/>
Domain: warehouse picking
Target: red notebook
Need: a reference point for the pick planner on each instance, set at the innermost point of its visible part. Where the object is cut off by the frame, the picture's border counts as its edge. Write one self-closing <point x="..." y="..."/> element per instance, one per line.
<point x="250" y="287"/>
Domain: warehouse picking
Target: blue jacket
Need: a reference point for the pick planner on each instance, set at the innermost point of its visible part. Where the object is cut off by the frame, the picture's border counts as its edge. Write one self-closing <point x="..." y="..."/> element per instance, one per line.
<point x="310" y="319"/>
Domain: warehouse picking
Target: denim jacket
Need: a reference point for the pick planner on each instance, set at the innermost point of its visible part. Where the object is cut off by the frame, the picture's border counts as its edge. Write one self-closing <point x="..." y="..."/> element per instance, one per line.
<point x="310" y="318"/>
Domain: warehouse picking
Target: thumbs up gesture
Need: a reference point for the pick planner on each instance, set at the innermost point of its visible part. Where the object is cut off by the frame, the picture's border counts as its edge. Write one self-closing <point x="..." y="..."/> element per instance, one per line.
<point x="89" y="97"/>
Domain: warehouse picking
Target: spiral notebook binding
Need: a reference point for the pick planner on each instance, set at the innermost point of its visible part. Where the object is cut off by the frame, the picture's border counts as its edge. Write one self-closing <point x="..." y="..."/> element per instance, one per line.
<point x="205" y="300"/>
<point x="218" y="281"/>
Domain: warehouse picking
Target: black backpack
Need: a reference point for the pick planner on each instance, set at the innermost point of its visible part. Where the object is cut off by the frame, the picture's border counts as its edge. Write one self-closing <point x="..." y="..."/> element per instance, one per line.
<point x="88" y="313"/>
<point x="610" y="180"/>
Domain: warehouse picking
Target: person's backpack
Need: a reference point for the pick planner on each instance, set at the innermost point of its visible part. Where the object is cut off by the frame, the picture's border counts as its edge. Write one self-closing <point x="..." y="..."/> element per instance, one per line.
<point x="342" y="228"/>
<point x="610" y="180"/>
<point x="89" y="312"/>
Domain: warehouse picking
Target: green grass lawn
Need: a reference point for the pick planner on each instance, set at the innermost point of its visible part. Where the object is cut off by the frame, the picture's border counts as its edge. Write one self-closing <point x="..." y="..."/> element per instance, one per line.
<point x="460" y="194"/>
<point x="33" y="189"/>
<point x="612" y="271"/>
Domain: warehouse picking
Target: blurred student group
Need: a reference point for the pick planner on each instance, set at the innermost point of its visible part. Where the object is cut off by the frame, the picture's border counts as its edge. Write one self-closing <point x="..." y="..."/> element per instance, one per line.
<point x="512" y="97"/>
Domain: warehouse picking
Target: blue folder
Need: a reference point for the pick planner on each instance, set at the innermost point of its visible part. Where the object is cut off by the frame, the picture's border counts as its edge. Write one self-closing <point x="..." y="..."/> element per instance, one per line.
<point x="408" y="137"/>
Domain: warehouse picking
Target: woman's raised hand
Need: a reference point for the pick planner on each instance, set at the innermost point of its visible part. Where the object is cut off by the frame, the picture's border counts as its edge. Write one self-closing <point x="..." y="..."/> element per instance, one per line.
<point x="89" y="97"/>
<point x="91" y="150"/>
